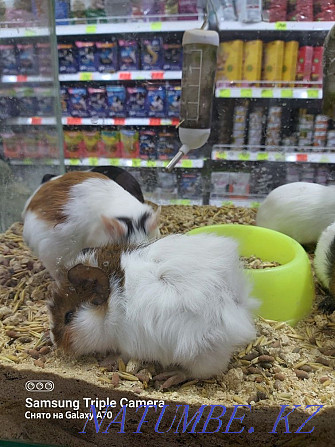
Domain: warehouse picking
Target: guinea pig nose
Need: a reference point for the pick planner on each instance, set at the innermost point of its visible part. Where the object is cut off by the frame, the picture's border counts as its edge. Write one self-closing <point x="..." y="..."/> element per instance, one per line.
<point x="68" y="317"/>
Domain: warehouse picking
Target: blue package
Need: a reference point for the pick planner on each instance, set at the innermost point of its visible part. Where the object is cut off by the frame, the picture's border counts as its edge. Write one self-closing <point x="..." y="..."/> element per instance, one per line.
<point x="156" y="101"/>
<point x="148" y="144"/>
<point x="8" y="104"/>
<point x="27" y="59"/>
<point x="8" y="61"/>
<point x="85" y="55"/>
<point x="173" y="93"/>
<point x="116" y="101"/>
<point x="105" y="57"/>
<point x="128" y="55"/>
<point x="167" y="145"/>
<point x="136" y="102"/>
<point x="27" y="103"/>
<point x="97" y="102"/>
<point x="190" y="186"/>
<point x="44" y="102"/>
<point x="62" y="11"/>
<point x="172" y="56"/>
<point x="64" y="97"/>
<point x="152" y="54"/>
<point x="67" y="59"/>
<point x="77" y="102"/>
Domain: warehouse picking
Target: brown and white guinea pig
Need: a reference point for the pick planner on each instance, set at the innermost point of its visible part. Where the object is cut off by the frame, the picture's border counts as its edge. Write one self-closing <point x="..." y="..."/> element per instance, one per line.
<point x="324" y="263"/>
<point x="181" y="300"/>
<point x="79" y="210"/>
<point x="301" y="210"/>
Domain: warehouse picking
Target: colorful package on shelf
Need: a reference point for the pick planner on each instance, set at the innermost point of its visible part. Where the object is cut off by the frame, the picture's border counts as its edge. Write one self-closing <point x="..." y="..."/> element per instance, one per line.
<point x="77" y="102"/>
<point x="273" y="62"/>
<point x="77" y="11"/>
<point x="304" y="11"/>
<point x="97" y="102"/>
<point x="325" y="11"/>
<point x="12" y="145"/>
<point x="44" y="63"/>
<point x="40" y="11"/>
<point x="275" y="11"/>
<point x="320" y="131"/>
<point x="95" y="9"/>
<point x="156" y="101"/>
<point x="116" y="101"/>
<point x="73" y="144"/>
<point x="105" y="57"/>
<point x="173" y="94"/>
<point x="304" y="64"/>
<point x="129" y="55"/>
<point x="152" y="53"/>
<point x="230" y="60"/>
<point x="92" y="144"/>
<point x="305" y="128"/>
<point x="26" y="59"/>
<point x="188" y="7"/>
<point x="26" y="101"/>
<point x="30" y="146"/>
<point x="44" y="101"/>
<point x="85" y="54"/>
<point x="239" y="183"/>
<point x="19" y="14"/>
<point x="148" y="145"/>
<point x="136" y="102"/>
<point x="64" y="98"/>
<point x="167" y="185"/>
<point x="167" y="145"/>
<point x="256" y="124"/>
<point x="190" y="186"/>
<point x="130" y="147"/>
<point x="62" y="11"/>
<point x="170" y="9"/>
<point x="273" y="128"/>
<point x="331" y="139"/>
<point x="8" y="104"/>
<point x="252" y="64"/>
<point x="47" y="143"/>
<point x="227" y="10"/>
<point x="249" y="10"/>
<point x="172" y="56"/>
<point x="67" y="59"/>
<point x="111" y="143"/>
<point x="239" y="124"/>
<point x="115" y="8"/>
<point x="219" y="184"/>
<point x="8" y="60"/>
<point x="290" y="61"/>
<point x="317" y="68"/>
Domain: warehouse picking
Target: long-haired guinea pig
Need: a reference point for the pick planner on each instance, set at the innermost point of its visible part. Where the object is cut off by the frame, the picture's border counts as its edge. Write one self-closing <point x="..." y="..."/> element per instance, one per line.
<point x="181" y="300"/>
<point x="301" y="210"/>
<point x="81" y="210"/>
<point x="324" y="263"/>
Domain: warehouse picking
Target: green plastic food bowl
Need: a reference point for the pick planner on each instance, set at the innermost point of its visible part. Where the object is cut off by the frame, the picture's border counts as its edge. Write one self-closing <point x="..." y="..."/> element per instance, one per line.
<point x="286" y="292"/>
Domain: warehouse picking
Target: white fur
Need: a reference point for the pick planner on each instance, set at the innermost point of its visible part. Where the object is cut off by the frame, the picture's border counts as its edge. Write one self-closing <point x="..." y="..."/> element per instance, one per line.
<point x="301" y="210"/>
<point x="321" y="262"/>
<point x="55" y="245"/>
<point x="185" y="302"/>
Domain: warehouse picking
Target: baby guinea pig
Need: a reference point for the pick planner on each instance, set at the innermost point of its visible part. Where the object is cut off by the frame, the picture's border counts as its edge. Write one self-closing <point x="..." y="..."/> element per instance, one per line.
<point x="80" y="210"/>
<point x="301" y="210"/>
<point x="324" y="263"/>
<point x="181" y="300"/>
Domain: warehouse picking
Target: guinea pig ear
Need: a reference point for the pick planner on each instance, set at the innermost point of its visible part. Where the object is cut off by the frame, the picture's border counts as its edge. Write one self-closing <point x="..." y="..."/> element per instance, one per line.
<point x="116" y="229"/>
<point x="92" y="280"/>
<point x="153" y="221"/>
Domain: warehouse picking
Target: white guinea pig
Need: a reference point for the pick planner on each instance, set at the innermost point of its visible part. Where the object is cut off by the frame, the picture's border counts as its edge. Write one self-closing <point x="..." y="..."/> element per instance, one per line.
<point x="81" y="210"/>
<point x="181" y="300"/>
<point x="301" y="210"/>
<point x="324" y="263"/>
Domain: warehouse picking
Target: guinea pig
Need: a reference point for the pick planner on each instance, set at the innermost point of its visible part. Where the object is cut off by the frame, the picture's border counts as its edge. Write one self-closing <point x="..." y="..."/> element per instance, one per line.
<point x="324" y="263"/>
<point x="181" y="300"/>
<point x="301" y="210"/>
<point x="80" y="210"/>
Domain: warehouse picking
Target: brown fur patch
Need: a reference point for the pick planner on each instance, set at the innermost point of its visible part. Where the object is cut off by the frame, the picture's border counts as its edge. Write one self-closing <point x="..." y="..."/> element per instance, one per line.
<point x="332" y="281"/>
<point x="48" y="202"/>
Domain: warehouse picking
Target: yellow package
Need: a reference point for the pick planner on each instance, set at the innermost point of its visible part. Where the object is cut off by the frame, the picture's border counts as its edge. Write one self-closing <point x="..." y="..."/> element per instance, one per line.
<point x="273" y="58"/>
<point x="290" y="61"/>
<point x="252" y="63"/>
<point x="230" y="60"/>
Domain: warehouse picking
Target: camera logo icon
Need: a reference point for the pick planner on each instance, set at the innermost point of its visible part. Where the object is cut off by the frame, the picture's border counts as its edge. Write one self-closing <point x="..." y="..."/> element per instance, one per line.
<point x="39" y="385"/>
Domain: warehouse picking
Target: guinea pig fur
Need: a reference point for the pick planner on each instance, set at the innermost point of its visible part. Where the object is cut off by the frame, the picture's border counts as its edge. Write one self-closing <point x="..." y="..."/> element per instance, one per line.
<point x="301" y="210"/>
<point x="181" y="300"/>
<point x="81" y="210"/>
<point x="324" y="263"/>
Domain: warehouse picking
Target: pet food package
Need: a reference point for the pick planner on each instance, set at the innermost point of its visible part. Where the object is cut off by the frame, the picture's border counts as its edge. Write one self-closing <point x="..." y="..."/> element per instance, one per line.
<point x="331" y="139"/>
<point x="190" y="186"/>
<point x="304" y="10"/>
<point x="116" y="101"/>
<point x="97" y="102"/>
<point x="304" y="65"/>
<point x="73" y="144"/>
<point x="64" y="98"/>
<point x="29" y="142"/>
<point x="44" y="101"/>
<point x="167" y="145"/>
<point x="129" y="55"/>
<point x="62" y="11"/>
<point x="67" y="59"/>
<point x="129" y="140"/>
<point x="47" y="143"/>
<point x="8" y="61"/>
<point x="136" y="102"/>
<point x="273" y="128"/>
<point x="156" y="99"/>
<point x="173" y="94"/>
<point x="275" y="11"/>
<point x="305" y="128"/>
<point x="188" y="7"/>
<point x="256" y="125"/>
<point x="114" y="8"/>
<point x="227" y="10"/>
<point x="148" y="149"/>
<point x="27" y="103"/>
<point x="291" y="49"/>
<point x="77" y="102"/>
<point x="320" y="131"/>
<point x="92" y="144"/>
<point x="167" y="186"/>
<point x="105" y="57"/>
<point x="273" y="62"/>
<point x="230" y="61"/>
<point x="26" y="59"/>
<point x="252" y="64"/>
<point x="85" y="55"/>
<point x="19" y="12"/>
<point x="8" y="104"/>
<point x="12" y="145"/>
<point x="111" y="143"/>
<point x="172" y="56"/>
<point x="317" y="69"/>
<point x="152" y="54"/>
<point x="43" y="58"/>
<point x="239" y="124"/>
<point x="249" y="10"/>
<point x="239" y="183"/>
<point x="219" y="185"/>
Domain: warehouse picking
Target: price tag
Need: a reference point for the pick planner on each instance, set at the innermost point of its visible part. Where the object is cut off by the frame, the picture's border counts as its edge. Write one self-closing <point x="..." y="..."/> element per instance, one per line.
<point x="187" y="163"/>
<point x="227" y="203"/>
<point x="267" y="93"/>
<point x="224" y="93"/>
<point x="175" y="122"/>
<point x="124" y="76"/>
<point x="165" y="163"/>
<point x="91" y="29"/>
<point x="157" y="75"/>
<point x="151" y="164"/>
<point x="313" y="93"/>
<point x="279" y="157"/>
<point x="302" y="157"/>
<point x="254" y="204"/>
<point x="262" y="156"/>
<point x="93" y="161"/>
<point x="220" y="155"/>
<point x="286" y="93"/>
<point x="72" y="121"/>
<point x="154" y="122"/>
<point x="156" y="26"/>
<point x="114" y="162"/>
<point x="27" y="161"/>
<point x="324" y="159"/>
<point x="136" y="162"/>
<point x="246" y="92"/>
<point x="74" y="161"/>
<point x="86" y="76"/>
<point x="30" y="32"/>
<point x="180" y="202"/>
<point x="22" y="78"/>
<point x="36" y="120"/>
<point x="119" y="121"/>
<point x="281" y="26"/>
<point x="243" y="156"/>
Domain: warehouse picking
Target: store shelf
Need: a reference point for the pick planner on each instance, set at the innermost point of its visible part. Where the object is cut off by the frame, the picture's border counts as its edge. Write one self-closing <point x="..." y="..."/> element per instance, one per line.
<point x="132" y="162"/>
<point x="120" y="76"/>
<point x="19" y="32"/>
<point x="302" y="157"/>
<point x="72" y="121"/>
<point x="34" y="120"/>
<point x="275" y="26"/>
<point x="16" y="79"/>
<point x="34" y="162"/>
<point x="275" y="92"/>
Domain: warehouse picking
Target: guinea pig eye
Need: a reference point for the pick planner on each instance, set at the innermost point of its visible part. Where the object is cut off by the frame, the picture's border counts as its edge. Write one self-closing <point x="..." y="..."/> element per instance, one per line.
<point x="68" y="317"/>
